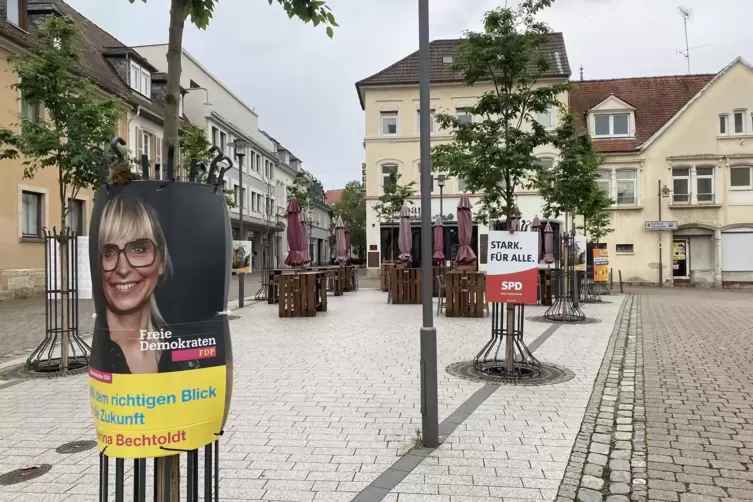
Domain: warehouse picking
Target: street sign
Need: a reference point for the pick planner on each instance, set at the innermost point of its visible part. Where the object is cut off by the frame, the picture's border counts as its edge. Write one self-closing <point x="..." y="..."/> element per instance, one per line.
<point x="513" y="268"/>
<point x="659" y="226"/>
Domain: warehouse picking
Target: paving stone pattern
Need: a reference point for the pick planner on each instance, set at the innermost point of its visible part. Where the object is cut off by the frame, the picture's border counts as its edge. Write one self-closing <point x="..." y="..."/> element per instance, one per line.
<point x="698" y="348"/>
<point x="608" y="458"/>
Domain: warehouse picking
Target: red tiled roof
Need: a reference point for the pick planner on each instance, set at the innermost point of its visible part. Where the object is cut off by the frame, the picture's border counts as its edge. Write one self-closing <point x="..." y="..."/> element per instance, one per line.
<point x="333" y="196"/>
<point x="655" y="99"/>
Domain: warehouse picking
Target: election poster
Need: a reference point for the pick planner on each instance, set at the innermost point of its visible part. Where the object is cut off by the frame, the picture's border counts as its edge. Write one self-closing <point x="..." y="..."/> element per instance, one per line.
<point x="242" y="257"/>
<point x="601" y="265"/>
<point x="579" y="253"/>
<point x="160" y="374"/>
<point x="513" y="267"/>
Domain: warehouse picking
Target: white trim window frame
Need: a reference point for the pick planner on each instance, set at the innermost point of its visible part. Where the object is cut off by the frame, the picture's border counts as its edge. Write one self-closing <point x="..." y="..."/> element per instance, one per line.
<point x="741" y="168"/>
<point x="141" y="80"/>
<point x="723" y="124"/>
<point x="611" y="125"/>
<point x="605" y="181"/>
<point x="387" y="169"/>
<point x="626" y="182"/>
<point x="546" y="162"/>
<point x="32" y="214"/>
<point x="546" y="119"/>
<point x="740" y="114"/>
<point x="705" y="175"/>
<point x="463" y="114"/>
<point x="388" y="123"/>
<point x="432" y="122"/>
<point x="680" y="177"/>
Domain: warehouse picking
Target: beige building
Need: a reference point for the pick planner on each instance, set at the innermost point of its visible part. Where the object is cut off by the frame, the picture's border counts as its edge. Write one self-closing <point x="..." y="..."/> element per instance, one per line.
<point x="28" y="206"/>
<point x="685" y="142"/>
<point x="391" y="104"/>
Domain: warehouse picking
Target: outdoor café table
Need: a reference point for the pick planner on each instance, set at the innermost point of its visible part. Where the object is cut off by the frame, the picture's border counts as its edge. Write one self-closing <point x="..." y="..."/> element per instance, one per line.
<point x="302" y="294"/>
<point x="464" y="293"/>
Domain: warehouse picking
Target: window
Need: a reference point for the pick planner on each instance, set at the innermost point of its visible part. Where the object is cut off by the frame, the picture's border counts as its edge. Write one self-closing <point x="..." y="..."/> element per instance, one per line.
<point x="741" y="177"/>
<point x="605" y="181"/>
<point x="624" y="248"/>
<point x="194" y="85"/>
<point x="16" y="12"/>
<point x="626" y="187"/>
<point x="141" y="80"/>
<point x="723" y="125"/>
<point x="244" y="196"/>
<point x="546" y="163"/>
<point x="215" y="135"/>
<point x="223" y="144"/>
<point x="31" y="111"/>
<point x="253" y="201"/>
<point x="704" y="180"/>
<point x="546" y="119"/>
<point x="31" y="215"/>
<point x="611" y="125"/>
<point x="432" y="127"/>
<point x="387" y="169"/>
<point x="680" y="185"/>
<point x="258" y="162"/>
<point x="462" y="187"/>
<point x="463" y="115"/>
<point x="739" y="122"/>
<point x="259" y="201"/>
<point x="389" y="123"/>
<point x="236" y="194"/>
<point x="267" y="168"/>
<point x="75" y="217"/>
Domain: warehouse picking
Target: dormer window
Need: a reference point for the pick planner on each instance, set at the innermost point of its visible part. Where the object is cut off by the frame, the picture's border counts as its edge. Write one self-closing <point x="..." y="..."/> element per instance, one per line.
<point x="141" y="80"/>
<point x="615" y="125"/>
<point x="15" y="12"/>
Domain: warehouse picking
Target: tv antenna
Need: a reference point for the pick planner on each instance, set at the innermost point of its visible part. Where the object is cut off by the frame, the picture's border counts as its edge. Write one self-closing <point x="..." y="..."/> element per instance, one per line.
<point x="686" y="16"/>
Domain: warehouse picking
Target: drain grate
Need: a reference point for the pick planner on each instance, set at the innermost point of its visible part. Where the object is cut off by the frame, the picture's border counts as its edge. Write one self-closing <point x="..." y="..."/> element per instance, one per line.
<point x="541" y="318"/>
<point x="550" y="375"/>
<point x="24" y="474"/>
<point x="75" y="447"/>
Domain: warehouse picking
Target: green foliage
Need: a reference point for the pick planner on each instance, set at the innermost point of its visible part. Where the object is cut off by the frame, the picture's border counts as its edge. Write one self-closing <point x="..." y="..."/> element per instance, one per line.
<point x="300" y="189"/>
<point x="571" y="183"/>
<point x="193" y="144"/>
<point x="597" y="218"/>
<point x="494" y="155"/>
<point x="394" y="197"/>
<point x="200" y="12"/>
<point x="352" y="209"/>
<point x="74" y="132"/>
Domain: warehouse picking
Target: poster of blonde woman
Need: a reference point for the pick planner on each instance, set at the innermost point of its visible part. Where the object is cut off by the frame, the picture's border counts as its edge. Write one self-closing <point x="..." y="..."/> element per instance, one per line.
<point x="160" y="376"/>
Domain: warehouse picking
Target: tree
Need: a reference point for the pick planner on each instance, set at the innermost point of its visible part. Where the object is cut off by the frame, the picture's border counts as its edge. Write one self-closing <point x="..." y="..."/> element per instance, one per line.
<point x="300" y="189"/>
<point x="69" y="131"/>
<point x="394" y="197"/>
<point x="596" y="217"/>
<point x="200" y="12"/>
<point x="494" y="154"/>
<point x="352" y="209"/>
<point x="194" y="145"/>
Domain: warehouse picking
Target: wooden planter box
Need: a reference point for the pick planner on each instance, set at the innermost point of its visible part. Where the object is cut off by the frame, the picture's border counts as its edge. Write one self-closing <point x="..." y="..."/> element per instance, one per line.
<point x="406" y="285"/>
<point x="384" y="272"/>
<point x="464" y="293"/>
<point x="302" y="294"/>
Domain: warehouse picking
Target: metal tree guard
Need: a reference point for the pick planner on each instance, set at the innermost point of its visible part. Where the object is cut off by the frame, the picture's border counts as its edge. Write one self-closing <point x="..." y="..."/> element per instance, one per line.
<point x="565" y="307"/>
<point x="506" y="355"/>
<point x="60" y="309"/>
<point x="165" y="471"/>
<point x="267" y="248"/>
<point x="588" y="293"/>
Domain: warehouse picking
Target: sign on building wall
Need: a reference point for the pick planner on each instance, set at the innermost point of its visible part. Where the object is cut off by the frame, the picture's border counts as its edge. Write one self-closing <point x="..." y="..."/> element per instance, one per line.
<point x="160" y="374"/>
<point x="513" y="267"/>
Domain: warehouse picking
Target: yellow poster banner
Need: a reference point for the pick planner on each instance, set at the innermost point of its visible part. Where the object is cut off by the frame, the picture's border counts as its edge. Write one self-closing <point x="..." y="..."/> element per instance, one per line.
<point x="601" y="265"/>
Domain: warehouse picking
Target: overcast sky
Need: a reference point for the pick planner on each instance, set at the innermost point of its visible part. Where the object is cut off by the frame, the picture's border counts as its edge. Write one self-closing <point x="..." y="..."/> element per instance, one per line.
<point x="302" y="83"/>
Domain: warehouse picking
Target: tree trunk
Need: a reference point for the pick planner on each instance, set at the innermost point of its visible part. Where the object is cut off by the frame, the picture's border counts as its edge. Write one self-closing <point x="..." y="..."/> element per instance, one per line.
<point x="510" y="339"/>
<point x="174" y="69"/>
<point x="565" y="270"/>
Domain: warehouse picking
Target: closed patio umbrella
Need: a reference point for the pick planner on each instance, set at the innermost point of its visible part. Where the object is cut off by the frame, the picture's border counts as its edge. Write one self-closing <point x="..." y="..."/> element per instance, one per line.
<point x="404" y="238"/>
<point x="296" y="255"/>
<point x="548" y="244"/>
<point x="465" y="256"/>
<point x="340" y="242"/>
<point x="438" y="240"/>
<point x="536" y="227"/>
<point x="304" y="230"/>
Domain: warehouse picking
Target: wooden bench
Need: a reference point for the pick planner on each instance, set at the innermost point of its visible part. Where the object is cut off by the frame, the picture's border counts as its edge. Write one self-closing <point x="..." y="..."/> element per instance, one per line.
<point x="302" y="294"/>
<point x="405" y="284"/>
<point x="464" y="293"/>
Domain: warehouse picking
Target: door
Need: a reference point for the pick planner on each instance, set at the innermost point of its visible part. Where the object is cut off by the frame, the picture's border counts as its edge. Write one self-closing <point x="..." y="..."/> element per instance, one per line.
<point x="680" y="258"/>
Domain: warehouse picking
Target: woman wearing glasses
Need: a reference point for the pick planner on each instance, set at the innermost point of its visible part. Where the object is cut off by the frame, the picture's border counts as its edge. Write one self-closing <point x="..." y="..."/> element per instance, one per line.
<point x="134" y="259"/>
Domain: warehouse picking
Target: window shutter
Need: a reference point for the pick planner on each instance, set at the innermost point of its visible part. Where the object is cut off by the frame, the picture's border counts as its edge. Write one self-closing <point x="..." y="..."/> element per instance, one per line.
<point x="139" y="142"/>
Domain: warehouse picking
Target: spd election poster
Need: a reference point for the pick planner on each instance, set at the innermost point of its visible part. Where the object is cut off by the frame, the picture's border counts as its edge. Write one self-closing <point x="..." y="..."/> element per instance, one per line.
<point x="512" y="269"/>
<point x="160" y="375"/>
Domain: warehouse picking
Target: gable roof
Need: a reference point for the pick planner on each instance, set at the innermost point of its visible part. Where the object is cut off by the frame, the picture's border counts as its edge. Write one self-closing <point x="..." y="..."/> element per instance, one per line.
<point x="406" y="71"/>
<point x="656" y="100"/>
<point x="334" y="196"/>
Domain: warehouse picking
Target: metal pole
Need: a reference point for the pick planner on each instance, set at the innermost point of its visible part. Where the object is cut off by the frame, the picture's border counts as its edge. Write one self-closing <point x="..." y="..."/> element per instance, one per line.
<point x="441" y="199"/>
<point x="241" y="276"/>
<point x="429" y="400"/>
<point x="661" y="266"/>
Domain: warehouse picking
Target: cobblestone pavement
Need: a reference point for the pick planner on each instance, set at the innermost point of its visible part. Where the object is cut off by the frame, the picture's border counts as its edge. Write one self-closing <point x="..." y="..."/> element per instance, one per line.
<point x="323" y="406"/>
<point x="22" y="322"/>
<point x="691" y="438"/>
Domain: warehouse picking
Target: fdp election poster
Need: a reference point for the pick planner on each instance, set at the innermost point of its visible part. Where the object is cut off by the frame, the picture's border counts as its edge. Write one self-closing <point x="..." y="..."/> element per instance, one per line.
<point x="160" y="375"/>
<point x="513" y="267"/>
<point x="601" y="265"/>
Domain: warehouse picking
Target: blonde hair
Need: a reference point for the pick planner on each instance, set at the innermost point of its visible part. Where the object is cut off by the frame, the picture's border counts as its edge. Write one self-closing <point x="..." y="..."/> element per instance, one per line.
<point x="129" y="218"/>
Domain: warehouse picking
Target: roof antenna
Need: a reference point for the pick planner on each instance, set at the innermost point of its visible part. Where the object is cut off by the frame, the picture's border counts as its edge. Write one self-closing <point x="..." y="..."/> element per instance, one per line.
<point x="581" y="73"/>
<point x="687" y="14"/>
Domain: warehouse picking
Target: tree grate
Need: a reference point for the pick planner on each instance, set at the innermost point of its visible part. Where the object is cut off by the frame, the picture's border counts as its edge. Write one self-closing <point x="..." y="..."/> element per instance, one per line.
<point x="568" y="320"/>
<point x="548" y="374"/>
<point x="75" y="447"/>
<point x="24" y="474"/>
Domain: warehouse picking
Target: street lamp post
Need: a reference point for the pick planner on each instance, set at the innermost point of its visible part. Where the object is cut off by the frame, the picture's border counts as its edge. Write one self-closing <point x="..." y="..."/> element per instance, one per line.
<point x="239" y="145"/>
<point x="662" y="193"/>
<point x="441" y="179"/>
<point x="429" y="399"/>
